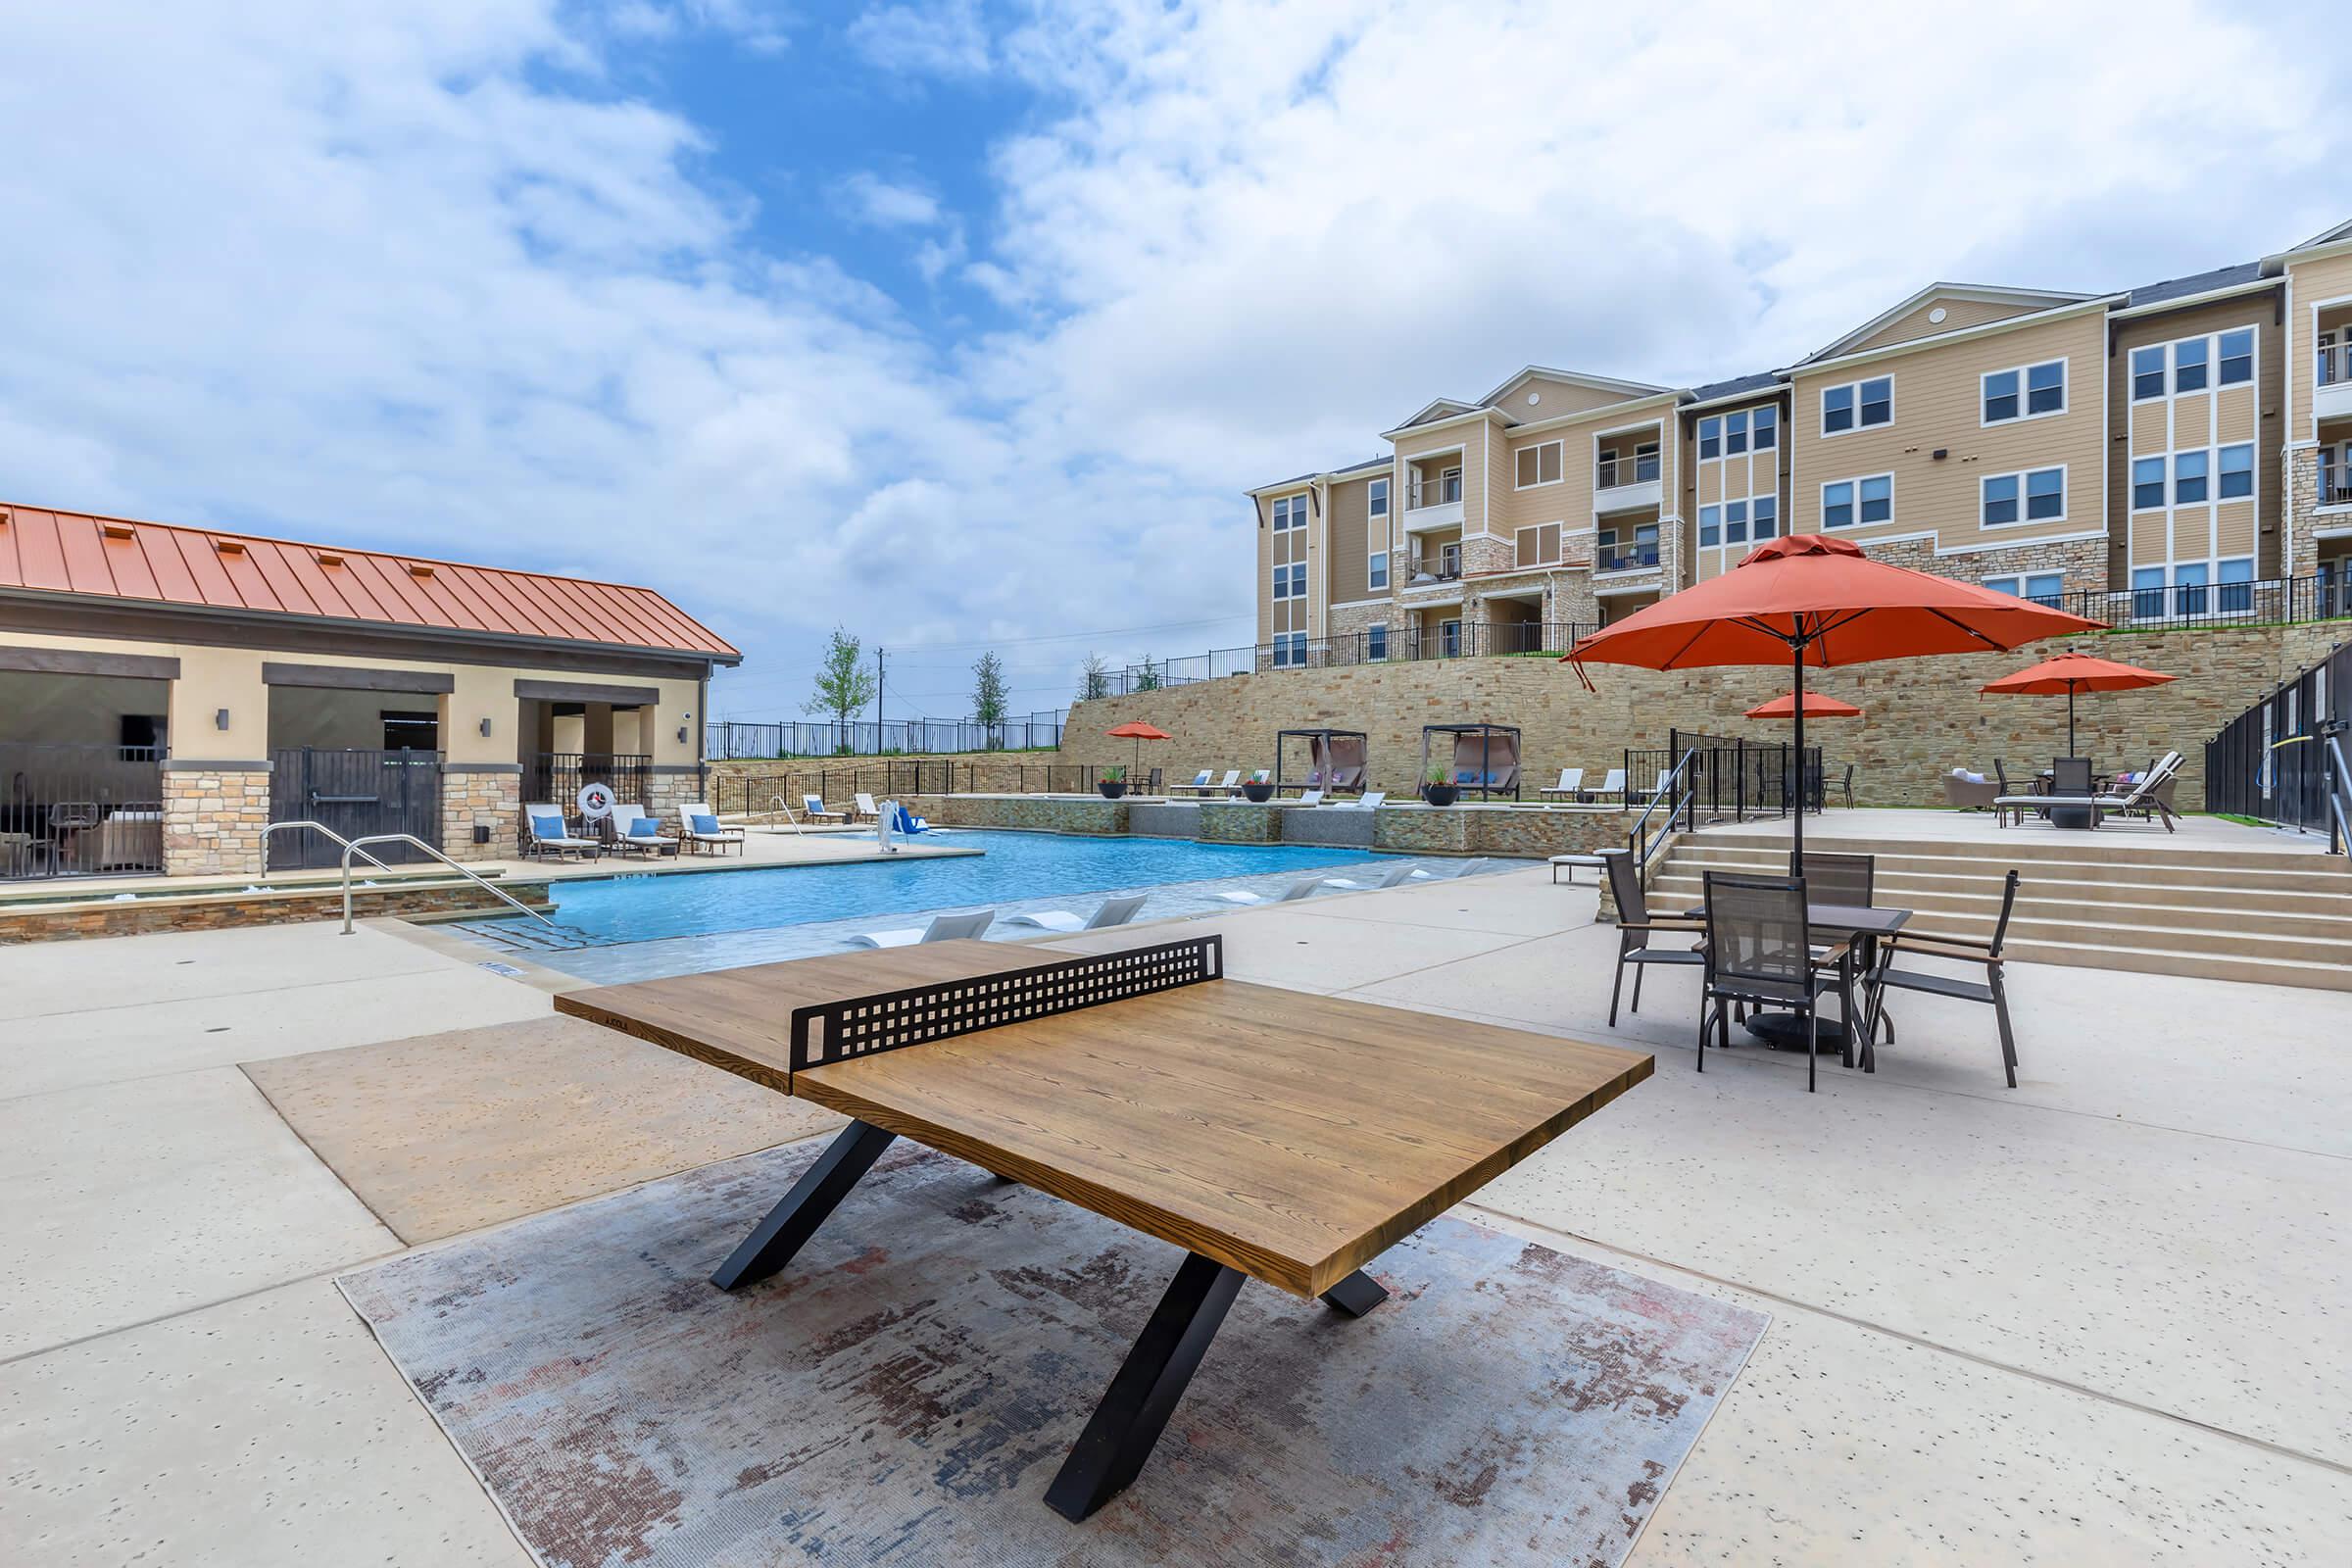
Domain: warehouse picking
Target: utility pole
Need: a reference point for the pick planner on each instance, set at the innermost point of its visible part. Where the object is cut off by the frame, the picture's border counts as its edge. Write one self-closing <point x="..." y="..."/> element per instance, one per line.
<point x="877" y="700"/>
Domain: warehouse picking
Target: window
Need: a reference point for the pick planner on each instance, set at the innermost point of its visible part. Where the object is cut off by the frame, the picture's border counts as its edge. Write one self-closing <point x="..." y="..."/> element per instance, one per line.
<point x="2046" y="495"/>
<point x="1838" y="505"/>
<point x="2148" y="592"/>
<point x="2024" y="393"/>
<point x="1538" y="546"/>
<point x="1376" y="569"/>
<point x="2189" y="364"/>
<point x="1857" y="405"/>
<point x="1645" y="461"/>
<point x="1710" y="437"/>
<point x="2188" y="478"/>
<point x="2236" y="593"/>
<point x="2148" y="483"/>
<point x="2238" y="357"/>
<point x="1999" y="499"/>
<point x="1375" y="644"/>
<point x="2043" y="587"/>
<point x="1767" y="511"/>
<point x="1710" y="525"/>
<point x="1768" y="429"/>
<point x="1449" y="484"/>
<point x="1376" y="499"/>
<point x="2147" y="372"/>
<point x="1734" y="433"/>
<point x="1282" y="582"/>
<point x="2188" y="590"/>
<point x="1734" y="522"/>
<point x="2237" y="471"/>
<point x="1539" y="465"/>
<point x="1290" y="513"/>
<point x="1878" y="499"/>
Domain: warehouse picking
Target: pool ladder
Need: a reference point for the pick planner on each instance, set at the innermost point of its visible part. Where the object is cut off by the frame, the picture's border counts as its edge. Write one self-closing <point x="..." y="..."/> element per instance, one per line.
<point x="352" y="847"/>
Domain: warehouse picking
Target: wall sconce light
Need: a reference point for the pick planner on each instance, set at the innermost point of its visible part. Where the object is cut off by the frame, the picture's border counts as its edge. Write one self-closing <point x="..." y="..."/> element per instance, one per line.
<point x="485" y="727"/>
<point x="682" y="734"/>
<point x="220" y="719"/>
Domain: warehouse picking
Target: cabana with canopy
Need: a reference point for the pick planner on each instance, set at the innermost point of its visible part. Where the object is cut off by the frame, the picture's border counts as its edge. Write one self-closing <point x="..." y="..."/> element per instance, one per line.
<point x="1482" y="760"/>
<point x="1335" y="761"/>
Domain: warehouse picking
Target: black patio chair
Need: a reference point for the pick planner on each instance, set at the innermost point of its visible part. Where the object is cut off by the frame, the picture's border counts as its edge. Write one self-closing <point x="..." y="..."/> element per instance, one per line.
<point x="1636" y="927"/>
<point x="1839" y="878"/>
<point x="1758" y="953"/>
<point x="1849" y="786"/>
<point x="1960" y="950"/>
<point x="2001" y="814"/>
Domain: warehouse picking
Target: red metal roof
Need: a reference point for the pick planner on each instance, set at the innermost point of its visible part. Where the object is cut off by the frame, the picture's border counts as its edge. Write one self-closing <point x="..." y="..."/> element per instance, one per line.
<point x="205" y="568"/>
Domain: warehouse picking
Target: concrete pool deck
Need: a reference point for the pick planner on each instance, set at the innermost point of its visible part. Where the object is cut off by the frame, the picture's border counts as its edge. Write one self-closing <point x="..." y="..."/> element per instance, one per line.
<point x="2094" y="1320"/>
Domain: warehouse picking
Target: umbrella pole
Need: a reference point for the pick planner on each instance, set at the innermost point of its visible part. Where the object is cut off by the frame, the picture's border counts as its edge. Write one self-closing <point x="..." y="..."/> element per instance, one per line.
<point x="1796" y="854"/>
<point x="2070" y="718"/>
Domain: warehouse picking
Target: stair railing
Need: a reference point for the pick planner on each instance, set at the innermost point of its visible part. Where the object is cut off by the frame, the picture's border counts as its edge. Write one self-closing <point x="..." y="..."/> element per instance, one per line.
<point x="1677" y="795"/>
<point x="355" y="846"/>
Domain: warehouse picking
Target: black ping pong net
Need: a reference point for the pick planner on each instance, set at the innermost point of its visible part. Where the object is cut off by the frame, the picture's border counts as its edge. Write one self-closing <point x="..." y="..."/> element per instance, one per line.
<point x="848" y="1027"/>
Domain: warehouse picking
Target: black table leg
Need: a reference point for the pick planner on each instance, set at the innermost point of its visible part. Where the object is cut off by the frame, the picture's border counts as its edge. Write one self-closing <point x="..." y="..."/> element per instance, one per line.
<point x="1360" y="1293"/>
<point x="1135" y="1410"/>
<point x="819" y="1190"/>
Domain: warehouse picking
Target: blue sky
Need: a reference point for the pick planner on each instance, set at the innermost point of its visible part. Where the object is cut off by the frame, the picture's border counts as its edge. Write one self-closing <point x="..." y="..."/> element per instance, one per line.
<point x="965" y="326"/>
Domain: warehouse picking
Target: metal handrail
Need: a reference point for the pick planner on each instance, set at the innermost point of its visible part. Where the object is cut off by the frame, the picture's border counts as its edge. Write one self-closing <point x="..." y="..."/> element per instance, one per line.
<point x="321" y="827"/>
<point x="353" y="847"/>
<point x="2339" y="794"/>
<point x="1639" y="841"/>
<point x="777" y="801"/>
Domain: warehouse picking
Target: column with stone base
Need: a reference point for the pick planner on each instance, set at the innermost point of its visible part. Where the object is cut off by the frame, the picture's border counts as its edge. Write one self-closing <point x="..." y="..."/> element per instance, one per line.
<point x="213" y="813"/>
<point x="484" y="795"/>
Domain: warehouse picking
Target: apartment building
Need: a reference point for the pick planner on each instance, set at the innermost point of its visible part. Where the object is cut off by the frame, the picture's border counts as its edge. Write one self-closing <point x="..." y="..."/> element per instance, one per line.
<point x="2184" y="445"/>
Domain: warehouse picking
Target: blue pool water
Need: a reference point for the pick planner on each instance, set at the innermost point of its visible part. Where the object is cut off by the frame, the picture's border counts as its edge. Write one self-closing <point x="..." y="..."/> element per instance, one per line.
<point x="1017" y="867"/>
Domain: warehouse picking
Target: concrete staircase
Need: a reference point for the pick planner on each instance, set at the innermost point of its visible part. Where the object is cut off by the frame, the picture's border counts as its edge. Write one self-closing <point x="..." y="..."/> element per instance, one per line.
<point x="2271" y="916"/>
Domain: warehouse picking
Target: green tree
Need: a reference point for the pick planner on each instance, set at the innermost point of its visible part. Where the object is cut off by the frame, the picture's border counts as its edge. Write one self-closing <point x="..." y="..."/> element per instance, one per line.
<point x="844" y="684"/>
<point x="1094" y="679"/>
<point x="1146" y="676"/>
<point x="988" y="696"/>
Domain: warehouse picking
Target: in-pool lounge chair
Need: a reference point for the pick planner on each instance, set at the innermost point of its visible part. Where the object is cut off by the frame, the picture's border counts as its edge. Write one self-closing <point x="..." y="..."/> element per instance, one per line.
<point x="1390" y="878"/>
<point x="1369" y="800"/>
<point x="1290" y="895"/>
<point x="636" y="831"/>
<point x="1571" y="784"/>
<point x="699" y="829"/>
<point x="1108" y="913"/>
<point x="545" y="835"/>
<point x="1309" y="798"/>
<point x="943" y="928"/>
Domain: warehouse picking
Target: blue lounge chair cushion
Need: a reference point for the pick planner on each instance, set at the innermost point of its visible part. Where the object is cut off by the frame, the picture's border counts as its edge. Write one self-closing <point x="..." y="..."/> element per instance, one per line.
<point x="645" y="828"/>
<point x="548" y="827"/>
<point x="705" y="824"/>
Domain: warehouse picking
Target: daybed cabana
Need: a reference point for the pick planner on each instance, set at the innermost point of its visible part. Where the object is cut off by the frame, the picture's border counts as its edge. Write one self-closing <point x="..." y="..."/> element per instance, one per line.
<point x="1484" y="759"/>
<point x="1335" y="761"/>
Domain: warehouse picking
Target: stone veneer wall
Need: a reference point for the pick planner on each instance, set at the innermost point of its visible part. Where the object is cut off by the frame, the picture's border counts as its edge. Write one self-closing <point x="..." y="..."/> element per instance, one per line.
<point x="2084" y="562"/>
<point x="1923" y="717"/>
<point x="1053" y="813"/>
<point x="108" y="917"/>
<point x="491" y="796"/>
<point x="213" y="819"/>
<point x="2303" y="519"/>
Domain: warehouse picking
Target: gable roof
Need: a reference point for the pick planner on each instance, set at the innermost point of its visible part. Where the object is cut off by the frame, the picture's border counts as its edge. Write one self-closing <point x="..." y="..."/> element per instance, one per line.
<point x="2341" y="231"/>
<point x="2176" y="288"/>
<point x="2024" y="299"/>
<point x="1437" y="409"/>
<point x="1598" y="383"/>
<point x="47" y="552"/>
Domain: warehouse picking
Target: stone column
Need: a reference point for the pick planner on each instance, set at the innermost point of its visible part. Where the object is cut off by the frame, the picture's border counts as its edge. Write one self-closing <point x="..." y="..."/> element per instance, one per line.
<point x="489" y="794"/>
<point x="213" y="813"/>
<point x="672" y="785"/>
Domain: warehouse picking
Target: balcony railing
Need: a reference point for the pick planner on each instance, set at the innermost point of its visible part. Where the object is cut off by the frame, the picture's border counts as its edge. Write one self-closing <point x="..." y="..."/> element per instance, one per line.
<point x="1620" y="470"/>
<point x="1421" y="494"/>
<point x="1444" y="566"/>
<point x="2332" y="363"/>
<point x="1626" y="557"/>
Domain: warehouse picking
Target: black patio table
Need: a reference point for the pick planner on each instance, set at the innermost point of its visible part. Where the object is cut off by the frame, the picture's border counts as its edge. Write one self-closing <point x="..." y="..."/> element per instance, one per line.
<point x="1861" y="924"/>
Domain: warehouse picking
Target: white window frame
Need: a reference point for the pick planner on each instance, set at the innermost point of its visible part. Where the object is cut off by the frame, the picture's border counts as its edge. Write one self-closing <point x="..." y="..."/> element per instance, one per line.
<point x="1560" y="461"/>
<point x="1376" y="569"/>
<point x="2024" y="392"/>
<point x="1770" y="413"/>
<point x="1375" y="644"/>
<point x="2164" y="484"/>
<point x="1298" y="579"/>
<point x="2016" y="583"/>
<point x="2066" y="486"/>
<point x="2253" y="476"/>
<point x="1857" y="481"/>
<point x="1290" y="513"/>
<point x="1857" y="428"/>
<point x="2164" y="370"/>
<point x="1282" y="583"/>
<point x="1700" y="442"/>
<point x="1376" y="497"/>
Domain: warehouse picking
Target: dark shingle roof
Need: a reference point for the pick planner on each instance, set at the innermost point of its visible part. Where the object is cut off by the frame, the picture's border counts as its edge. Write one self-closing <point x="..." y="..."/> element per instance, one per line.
<point x="1761" y="381"/>
<point x="2174" y="288"/>
<point x="1381" y="462"/>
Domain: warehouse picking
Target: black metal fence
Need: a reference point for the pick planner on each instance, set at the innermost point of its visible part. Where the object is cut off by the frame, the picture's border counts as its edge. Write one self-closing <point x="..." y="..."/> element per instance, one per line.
<point x="558" y="777"/>
<point x="355" y="792"/>
<point x="2276" y="762"/>
<point x="735" y="740"/>
<point x="838" y="785"/>
<point x="80" y="810"/>
<point x="1729" y="779"/>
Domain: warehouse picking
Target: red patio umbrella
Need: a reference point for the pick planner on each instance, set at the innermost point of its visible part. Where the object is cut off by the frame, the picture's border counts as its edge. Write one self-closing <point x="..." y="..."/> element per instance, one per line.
<point x="1818" y="704"/>
<point x="2071" y="672"/>
<point x="1136" y="730"/>
<point x="1805" y="599"/>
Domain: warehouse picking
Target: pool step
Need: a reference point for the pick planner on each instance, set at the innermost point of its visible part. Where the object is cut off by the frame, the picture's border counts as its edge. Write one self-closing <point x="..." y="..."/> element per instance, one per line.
<point x="523" y="936"/>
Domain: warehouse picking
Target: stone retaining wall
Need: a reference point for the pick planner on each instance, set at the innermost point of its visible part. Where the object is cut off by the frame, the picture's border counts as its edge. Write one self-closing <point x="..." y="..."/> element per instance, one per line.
<point x="1052" y="814"/>
<point x="105" y="918"/>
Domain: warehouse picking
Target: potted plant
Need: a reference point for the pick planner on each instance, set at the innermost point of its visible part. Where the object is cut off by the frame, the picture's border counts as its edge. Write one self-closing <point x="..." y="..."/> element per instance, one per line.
<point x="1258" y="787"/>
<point x="1439" y="790"/>
<point x="1113" y="783"/>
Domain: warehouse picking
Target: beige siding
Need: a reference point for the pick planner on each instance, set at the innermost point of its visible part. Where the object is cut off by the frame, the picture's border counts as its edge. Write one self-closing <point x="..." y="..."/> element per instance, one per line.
<point x="2245" y="412"/>
<point x="1740" y="477"/>
<point x="2327" y="278"/>
<point x="1343" y="558"/>
<point x="1938" y="405"/>
<point x="1958" y="313"/>
<point x="1555" y="398"/>
<point x="1273" y="549"/>
<point x="1475" y="440"/>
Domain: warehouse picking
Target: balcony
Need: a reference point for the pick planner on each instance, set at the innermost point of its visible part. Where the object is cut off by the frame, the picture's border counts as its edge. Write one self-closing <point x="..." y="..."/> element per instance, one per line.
<point x="1638" y="556"/>
<point x="1443" y="565"/>
<point x="1626" y="482"/>
<point x="1433" y="504"/>
<point x="2332" y="381"/>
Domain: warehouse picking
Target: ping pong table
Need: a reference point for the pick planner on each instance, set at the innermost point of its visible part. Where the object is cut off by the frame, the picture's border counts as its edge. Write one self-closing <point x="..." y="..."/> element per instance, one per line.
<point x="1271" y="1134"/>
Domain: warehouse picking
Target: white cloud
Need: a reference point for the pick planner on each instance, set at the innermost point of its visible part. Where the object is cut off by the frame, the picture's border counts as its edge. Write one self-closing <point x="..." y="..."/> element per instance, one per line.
<point x="397" y="280"/>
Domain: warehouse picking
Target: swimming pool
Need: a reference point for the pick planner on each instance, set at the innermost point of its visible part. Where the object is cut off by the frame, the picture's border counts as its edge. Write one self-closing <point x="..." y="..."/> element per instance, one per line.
<point x="640" y="927"/>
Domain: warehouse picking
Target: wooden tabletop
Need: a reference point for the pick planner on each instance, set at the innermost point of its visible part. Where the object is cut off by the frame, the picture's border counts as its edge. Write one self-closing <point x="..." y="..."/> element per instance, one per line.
<point x="1290" y="1136"/>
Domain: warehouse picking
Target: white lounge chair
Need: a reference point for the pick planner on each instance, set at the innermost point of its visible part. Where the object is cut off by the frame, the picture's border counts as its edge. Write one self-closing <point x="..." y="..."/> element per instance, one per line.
<point x="866" y="810"/>
<point x="1387" y="879"/>
<point x="1294" y="892"/>
<point x="637" y="831"/>
<point x="698" y="828"/>
<point x="1571" y="784"/>
<point x="943" y="928"/>
<point x="544" y="833"/>
<point x="1614" y="783"/>
<point x="1200" y="782"/>
<point x="812" y="806"/>
<point x="1108" y="913"/>
<point x="1309" y="798"/>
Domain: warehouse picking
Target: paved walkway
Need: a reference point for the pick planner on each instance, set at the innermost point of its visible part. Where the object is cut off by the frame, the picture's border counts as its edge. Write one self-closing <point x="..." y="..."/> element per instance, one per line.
<point x="2094" y="1320"/>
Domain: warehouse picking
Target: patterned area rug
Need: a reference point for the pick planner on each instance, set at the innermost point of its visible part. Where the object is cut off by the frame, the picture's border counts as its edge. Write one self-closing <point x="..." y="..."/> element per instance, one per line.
<point x="905" y="1391"/>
